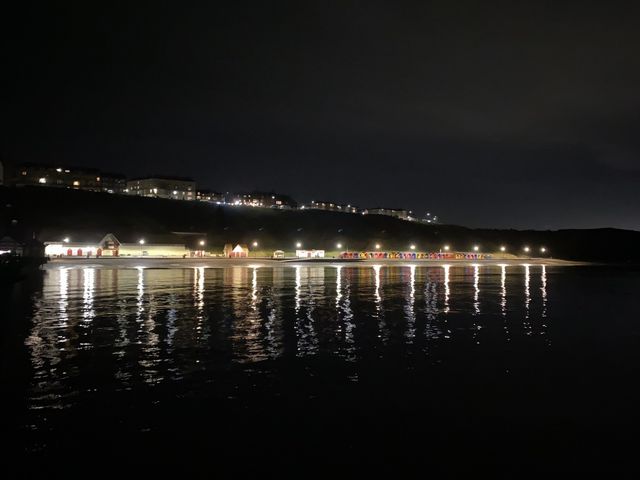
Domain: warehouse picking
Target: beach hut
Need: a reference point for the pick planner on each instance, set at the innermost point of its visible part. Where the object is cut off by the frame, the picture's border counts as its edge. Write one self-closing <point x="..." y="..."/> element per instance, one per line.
<point x="240" y="251"/>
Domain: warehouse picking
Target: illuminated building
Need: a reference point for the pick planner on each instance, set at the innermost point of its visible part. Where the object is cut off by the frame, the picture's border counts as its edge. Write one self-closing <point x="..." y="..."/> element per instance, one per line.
<point x="330" y="206"/>
<point x="174" y="188"/>
<point x="77" y="178"/>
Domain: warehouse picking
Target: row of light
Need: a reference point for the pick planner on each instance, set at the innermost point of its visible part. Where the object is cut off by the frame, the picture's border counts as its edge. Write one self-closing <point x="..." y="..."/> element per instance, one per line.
<point x="476" y="248"/>
<point x="142" y="241"/>
<point x="446" y="248"/>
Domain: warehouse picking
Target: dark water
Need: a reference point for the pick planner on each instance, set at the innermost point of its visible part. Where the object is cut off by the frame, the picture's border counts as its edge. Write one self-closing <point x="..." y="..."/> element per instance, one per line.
<point x="520" y="368"/>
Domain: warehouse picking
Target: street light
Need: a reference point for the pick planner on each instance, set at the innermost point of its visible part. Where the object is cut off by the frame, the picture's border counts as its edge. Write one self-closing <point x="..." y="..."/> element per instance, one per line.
<point x="202" y="243"/>
<point x="446" y="248"/>
<point x="339" y="245"/>
<point x="298" y="244"/>
<point x="527" y="249"/>
<point x="255" y="244"/>
<point x="66" y="240"/>
<point x="476" y="248"/>
<point x="543" y="250"/>
<point x="377" y="246"/>
<point x="412" y="247"/>
<point x="503" y="248"/>
<point x="141" y="241"/>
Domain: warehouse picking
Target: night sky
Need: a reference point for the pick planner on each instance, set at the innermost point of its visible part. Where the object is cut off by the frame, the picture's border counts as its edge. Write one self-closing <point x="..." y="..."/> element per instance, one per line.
<point x="522" y="115"/>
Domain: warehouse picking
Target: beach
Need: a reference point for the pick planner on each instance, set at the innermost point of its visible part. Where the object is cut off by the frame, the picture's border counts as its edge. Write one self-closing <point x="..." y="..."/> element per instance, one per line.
<point x="211" y="262"/>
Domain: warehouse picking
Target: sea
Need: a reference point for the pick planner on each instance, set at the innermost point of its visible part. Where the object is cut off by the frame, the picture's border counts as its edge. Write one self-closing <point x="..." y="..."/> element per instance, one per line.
<point x="518" y="369"/>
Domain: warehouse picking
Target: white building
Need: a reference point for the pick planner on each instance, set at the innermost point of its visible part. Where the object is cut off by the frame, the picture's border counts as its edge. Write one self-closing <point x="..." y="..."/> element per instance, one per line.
<point x="310" y="253"/>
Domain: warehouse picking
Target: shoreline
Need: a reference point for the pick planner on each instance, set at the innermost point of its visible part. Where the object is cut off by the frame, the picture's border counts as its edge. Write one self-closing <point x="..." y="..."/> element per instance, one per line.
<point x="146" y="262"/>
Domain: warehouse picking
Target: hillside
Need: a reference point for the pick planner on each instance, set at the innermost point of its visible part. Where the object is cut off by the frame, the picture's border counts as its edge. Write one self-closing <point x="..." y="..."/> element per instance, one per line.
<point x="52" y="214"/>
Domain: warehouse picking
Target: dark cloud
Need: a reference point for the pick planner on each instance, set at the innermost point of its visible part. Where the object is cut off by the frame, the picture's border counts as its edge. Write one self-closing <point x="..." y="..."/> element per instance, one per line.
<point x="514" y="114"/>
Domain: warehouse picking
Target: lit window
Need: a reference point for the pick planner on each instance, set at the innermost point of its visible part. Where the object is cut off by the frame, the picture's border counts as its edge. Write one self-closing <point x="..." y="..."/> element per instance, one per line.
<point x="42" y="180"/>
<point x="58" y="170"/>
<point x="76" y="183"/>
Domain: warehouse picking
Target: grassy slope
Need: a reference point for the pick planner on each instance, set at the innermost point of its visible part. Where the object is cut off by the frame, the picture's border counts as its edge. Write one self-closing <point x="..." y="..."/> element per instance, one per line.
<point x="55" y="213"/>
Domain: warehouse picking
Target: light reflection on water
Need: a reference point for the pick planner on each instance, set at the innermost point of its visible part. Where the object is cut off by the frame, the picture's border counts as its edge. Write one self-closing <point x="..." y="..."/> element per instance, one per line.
<point x="158" y="325"/>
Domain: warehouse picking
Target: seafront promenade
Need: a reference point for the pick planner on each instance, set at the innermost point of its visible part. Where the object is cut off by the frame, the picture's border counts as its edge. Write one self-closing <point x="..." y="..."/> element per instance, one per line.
<point x="147" y="262"/>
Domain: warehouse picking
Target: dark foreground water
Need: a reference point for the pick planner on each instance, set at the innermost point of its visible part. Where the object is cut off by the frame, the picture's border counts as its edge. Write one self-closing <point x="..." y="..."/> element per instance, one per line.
<point x="520" y="368"/>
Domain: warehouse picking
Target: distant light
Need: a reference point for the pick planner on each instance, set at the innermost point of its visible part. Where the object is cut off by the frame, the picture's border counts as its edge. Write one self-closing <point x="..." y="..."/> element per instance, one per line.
<point x="255" y="244"/>
<point x="446" y="247"/>
<point x="76" y="183"/>
<point x="298" y="244"/>
<point x="42" y="180"/>
<point x="141" y="241"/>
<point x="543" y="249"/>
<point x="526" y="249"/>
<point x="377" y="246"/>
<point x="412" y="247"/>
<point x="58" y="170"/>
<point x="503" y="248"/>
<point x="66" y="240"/>
<point x="476" y="248"/>
<point x="175" y="192"/>
<point x="339" y="245"/>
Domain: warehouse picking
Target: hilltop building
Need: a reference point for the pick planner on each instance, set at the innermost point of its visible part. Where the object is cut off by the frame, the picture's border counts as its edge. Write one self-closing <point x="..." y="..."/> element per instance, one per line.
<point x="428" y="218"/>
<point x="390" y="212"/>
<point x="174" y="188"/>
<point x="210" y="196"/>
<point x="77" y="178"/>
<point x="263" y="199"/>
<point x="330" y="206"/>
